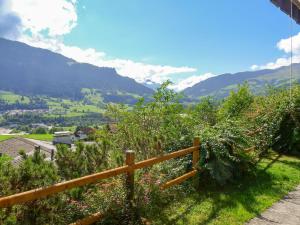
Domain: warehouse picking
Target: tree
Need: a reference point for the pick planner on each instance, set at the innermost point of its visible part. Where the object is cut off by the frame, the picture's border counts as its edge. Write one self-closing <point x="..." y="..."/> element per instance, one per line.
<point x="236" y="103"/>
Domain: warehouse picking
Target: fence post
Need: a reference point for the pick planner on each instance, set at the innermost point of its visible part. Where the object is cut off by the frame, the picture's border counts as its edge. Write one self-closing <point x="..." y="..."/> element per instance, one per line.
<point x="37" y="148"/>
<point x="52" y="154"/>
<point x="130" y="184"/>
<point x="196" y="158"/>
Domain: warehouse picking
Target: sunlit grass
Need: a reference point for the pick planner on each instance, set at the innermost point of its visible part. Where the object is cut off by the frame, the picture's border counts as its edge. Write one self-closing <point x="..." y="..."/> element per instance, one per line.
<point x="41" y="137"/>
<point x="5" y="137"/>
<point x="235" y="203"/>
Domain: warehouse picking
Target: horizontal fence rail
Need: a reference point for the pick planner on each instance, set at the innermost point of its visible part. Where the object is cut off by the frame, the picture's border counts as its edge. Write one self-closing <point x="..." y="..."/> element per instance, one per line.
<point x="60" y="187"/>
<point x="128" y="169"/>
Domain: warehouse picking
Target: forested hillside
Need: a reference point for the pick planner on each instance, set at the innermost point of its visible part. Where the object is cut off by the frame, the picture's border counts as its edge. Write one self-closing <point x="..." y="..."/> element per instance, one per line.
<point x="26" y="70"/>
<point x="220" y="86"/>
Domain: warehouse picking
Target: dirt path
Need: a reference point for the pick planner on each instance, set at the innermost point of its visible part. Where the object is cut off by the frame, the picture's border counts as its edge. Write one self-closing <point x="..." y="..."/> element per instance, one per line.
<point x="284" y="212"/>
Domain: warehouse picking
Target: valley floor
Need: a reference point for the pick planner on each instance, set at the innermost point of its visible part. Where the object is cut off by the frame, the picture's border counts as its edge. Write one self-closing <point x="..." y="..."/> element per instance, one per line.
<point x="237" y="203"/>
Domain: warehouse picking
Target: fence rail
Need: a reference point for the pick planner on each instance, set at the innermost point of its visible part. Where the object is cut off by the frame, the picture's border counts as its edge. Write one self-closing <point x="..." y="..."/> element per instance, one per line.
<point x="128" y="169"/>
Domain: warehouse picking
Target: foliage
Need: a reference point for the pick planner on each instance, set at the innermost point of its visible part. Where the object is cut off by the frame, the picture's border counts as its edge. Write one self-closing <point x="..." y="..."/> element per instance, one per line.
<point x="235" y="203"/>
<point x="153" y="128"/>
<point x="205" y="111"/>
<point x="150" y="126"/>
<point x="32" y="173"/>
<point x="83" y="160"/>
<point x="236" y="102"/>
<point x="222" y="151"/>
<point x="40" y="130"/>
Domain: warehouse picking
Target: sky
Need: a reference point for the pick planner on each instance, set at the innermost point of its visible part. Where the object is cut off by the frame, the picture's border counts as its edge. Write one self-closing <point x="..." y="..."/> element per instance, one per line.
<point x="185" y="41"/>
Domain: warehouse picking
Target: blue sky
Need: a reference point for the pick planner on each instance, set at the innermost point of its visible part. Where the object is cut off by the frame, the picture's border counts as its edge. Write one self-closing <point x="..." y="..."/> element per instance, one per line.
<point x="164" y="39"/>
<point x="225" y="37"/>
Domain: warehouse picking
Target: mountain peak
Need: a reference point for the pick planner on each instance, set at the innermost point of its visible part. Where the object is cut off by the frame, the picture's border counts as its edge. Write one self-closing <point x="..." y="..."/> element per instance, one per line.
<point x="34" y="71"/>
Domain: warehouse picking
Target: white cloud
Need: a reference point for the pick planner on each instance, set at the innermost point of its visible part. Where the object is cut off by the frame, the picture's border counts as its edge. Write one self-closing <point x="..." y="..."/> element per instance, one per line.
<point x="254" y="67"/>
<point x="139" y="71"/>
<point x="191" y="81"/>
<point x="285" y="46"/>
<point x="57" y="17"/>
<point x="48" y="20"/>
<point x="10" y="23"/>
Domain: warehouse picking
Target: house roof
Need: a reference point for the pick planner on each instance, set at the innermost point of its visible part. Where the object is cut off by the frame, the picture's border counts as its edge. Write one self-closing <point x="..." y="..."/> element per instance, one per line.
<point x="285" y="6"/>
<point x="62" y="133"/>
<point x="12" y="147"/>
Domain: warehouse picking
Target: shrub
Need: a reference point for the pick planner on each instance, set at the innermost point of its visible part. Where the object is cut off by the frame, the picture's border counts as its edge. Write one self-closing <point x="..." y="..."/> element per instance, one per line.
<point x="236" y="103"/>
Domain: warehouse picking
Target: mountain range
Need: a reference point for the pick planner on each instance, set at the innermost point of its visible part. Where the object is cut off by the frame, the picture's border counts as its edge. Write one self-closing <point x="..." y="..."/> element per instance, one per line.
<point x="26" y="70"/>
<point x="220" y="86"/>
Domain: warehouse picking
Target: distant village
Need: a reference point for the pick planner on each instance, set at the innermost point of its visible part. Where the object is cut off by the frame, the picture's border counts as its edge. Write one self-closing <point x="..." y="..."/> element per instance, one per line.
<point x="18" y="144"/>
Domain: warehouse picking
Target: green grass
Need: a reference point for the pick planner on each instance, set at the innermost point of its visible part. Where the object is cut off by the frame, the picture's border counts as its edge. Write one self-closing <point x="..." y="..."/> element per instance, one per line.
<point x="235" y="204"/>
<point x="12" y="98"/>
<point x="5" y="137"/>
<point x="68" y="108"/>
<point x="41" y="137"/>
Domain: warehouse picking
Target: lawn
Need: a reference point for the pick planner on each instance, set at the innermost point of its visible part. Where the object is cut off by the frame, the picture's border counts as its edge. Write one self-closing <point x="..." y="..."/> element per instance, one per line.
<point x="12" y="98"/>
<point x="5" y="137"/>
<point x="235" y="203"/>
<point x="41" y="137"/>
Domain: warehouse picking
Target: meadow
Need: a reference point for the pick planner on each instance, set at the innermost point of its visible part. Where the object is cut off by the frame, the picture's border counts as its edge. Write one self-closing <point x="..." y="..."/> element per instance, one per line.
<point x="41" y="137"/>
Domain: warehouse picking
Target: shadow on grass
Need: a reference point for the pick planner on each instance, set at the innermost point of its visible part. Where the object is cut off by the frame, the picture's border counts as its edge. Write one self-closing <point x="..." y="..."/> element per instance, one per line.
<point x="293" y="164"/>
<point x="245" y="193"/>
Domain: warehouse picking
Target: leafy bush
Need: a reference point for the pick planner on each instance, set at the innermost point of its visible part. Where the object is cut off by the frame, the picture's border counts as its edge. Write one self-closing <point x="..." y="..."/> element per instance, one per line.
<point x="151" y="129"/>
<point x="236" y="103"/>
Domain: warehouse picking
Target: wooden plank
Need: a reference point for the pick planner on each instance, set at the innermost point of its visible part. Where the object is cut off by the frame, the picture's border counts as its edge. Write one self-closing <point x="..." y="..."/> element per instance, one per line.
<point x="179" y="180"/>
<point x="155" y="160"/>
<point x="196" y="153"/>
<point x="285" y="6"/>
<point x="196" y="159"/>
<point x="130" y="156"/>
<point x="44" y="192"/>
<point x="89" y="219"/>
<point x="251" y="149"/>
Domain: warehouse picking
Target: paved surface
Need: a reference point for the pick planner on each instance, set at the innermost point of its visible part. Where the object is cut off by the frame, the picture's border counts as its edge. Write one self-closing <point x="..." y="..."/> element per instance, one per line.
<point x="284" y="212"/>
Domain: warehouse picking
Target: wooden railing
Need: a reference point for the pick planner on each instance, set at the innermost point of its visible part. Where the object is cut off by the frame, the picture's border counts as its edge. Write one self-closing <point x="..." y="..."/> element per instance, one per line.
<point x="128" y="169"/>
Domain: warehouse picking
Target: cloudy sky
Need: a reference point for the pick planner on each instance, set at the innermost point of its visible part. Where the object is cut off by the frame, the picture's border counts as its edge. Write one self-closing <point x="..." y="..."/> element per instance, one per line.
<point x="152" y="41"/>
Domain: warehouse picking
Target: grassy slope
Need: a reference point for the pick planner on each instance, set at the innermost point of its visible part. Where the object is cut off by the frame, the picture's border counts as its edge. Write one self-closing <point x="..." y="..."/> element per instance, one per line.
<point x="13" y="98"/>
<point x="41" y="137"/>
<point x="64" y="107"/>
<point x="5" y="137"/>
<point x="237" y="203"/>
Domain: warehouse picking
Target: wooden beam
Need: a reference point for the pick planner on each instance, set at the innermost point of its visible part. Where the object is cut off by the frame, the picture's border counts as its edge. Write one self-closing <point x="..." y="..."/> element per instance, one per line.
<point x="44" y="192"/>
<point x="251" y="149"/>
<point x="60" y="187"/>
<point x="297" y="3"/>
<point x="155" y="160"/>
<point x="196" y="159"/>
<point x="129" y="184"/>
<point x="89" y="219"/>
<point x="178" y="180"/>
<point x="285" y="6"/>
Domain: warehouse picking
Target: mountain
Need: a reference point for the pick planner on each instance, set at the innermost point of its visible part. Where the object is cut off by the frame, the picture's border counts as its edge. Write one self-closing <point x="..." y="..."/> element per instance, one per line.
<point x="26" y="70"/>
<point x="220" y="86"/>
<point x="150" y="84"/>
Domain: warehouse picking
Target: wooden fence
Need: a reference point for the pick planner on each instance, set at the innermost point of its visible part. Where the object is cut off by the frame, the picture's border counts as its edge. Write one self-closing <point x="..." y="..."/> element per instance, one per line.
<point x="128" y="169"/>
